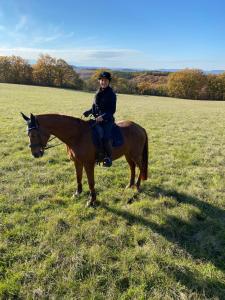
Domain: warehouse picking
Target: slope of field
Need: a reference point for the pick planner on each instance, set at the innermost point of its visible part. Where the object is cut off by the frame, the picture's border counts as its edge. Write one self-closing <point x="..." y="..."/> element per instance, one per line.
<point x="168" y="244"/>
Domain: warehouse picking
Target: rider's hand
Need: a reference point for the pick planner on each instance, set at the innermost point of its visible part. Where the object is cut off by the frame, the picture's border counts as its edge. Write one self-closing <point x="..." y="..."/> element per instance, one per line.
<point x="86" y="113"/>
<point x="99" y="119"/>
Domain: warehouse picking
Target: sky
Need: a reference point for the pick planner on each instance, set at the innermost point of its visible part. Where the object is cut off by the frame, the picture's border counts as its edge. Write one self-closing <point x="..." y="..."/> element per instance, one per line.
<point x="141" y="34"/>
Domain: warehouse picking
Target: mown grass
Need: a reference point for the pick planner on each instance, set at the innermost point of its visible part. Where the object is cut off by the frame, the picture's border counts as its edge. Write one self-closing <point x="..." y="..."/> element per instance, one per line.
<point x="168" y="244"/>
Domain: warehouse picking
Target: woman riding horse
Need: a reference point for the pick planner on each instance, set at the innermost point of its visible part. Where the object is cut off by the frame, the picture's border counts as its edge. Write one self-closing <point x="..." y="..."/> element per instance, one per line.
<point x="76" y="134"/>
<point x="103" y="109"/>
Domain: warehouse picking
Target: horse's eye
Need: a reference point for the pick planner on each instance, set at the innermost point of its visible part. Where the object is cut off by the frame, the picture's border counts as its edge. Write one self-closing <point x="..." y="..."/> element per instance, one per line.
<point x="33" y="135"/>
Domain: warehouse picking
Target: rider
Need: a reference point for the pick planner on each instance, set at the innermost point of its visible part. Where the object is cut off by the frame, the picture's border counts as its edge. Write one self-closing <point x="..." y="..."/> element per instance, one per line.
<point x="103" y="108"/>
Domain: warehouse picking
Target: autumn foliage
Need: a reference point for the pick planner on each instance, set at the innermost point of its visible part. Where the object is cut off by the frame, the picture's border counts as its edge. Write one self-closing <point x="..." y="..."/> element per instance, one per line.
<point x="14" y="69"/>
<point x="187" y="84"/>
<point x="119" y="84"/>
<point x="49" y="71"/>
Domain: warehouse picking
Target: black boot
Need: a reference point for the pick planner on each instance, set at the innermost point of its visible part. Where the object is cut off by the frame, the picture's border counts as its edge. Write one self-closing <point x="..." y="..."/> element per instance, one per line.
<point x="100" y="153"/>
<point x="108" y="150"/>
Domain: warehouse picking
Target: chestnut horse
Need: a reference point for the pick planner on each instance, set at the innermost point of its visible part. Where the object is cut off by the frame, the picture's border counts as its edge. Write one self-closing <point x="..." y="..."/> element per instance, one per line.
<point x="76" y="134"/>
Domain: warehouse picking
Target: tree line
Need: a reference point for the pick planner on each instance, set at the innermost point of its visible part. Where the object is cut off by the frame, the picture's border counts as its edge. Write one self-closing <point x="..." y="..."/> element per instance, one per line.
<point x="187" y="84"/>
<point x="49" y="71"/>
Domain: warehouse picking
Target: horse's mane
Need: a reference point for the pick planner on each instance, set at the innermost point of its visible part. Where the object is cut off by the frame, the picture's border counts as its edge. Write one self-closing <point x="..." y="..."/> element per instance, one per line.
<point x="59" y="116"/>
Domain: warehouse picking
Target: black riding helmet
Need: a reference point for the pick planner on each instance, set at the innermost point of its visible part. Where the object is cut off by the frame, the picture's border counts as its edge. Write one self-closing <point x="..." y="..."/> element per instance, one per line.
<point x="106" y="75"/>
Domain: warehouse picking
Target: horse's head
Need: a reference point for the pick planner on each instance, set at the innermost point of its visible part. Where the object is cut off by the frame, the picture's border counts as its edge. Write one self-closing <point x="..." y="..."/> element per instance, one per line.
<point x="38" y="137"/>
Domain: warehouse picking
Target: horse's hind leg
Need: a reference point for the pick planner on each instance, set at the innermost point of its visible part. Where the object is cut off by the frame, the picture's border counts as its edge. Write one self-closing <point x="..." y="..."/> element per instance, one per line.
<point x="132" y="172"/>
<point x="138" y="162"/>
<point x="79" y="173"/>
<point x="138" y="183"/>
<point x="133" y="164"/>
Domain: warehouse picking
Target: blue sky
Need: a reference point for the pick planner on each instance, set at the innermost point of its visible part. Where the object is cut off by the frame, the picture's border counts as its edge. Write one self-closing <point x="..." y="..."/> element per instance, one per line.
<point x="117" y="33"/>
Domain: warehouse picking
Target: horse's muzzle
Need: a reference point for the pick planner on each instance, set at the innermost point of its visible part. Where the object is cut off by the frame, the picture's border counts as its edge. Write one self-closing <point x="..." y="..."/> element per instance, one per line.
<point x="38" y="154"/>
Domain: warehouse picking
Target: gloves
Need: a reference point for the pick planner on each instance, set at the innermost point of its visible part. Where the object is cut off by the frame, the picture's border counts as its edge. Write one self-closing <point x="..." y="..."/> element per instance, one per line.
<point x="86" y="113"/>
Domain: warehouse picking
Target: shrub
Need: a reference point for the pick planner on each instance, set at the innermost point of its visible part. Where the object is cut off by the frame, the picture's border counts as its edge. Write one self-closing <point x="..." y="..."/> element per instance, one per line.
<point x="187" y="83"/>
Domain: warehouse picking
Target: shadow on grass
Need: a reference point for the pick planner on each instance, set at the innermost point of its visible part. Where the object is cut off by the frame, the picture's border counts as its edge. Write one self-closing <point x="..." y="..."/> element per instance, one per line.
<point x="202" y="237"/>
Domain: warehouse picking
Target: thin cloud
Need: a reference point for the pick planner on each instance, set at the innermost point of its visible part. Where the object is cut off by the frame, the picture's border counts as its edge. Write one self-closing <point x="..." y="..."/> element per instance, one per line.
<point x="78" y="56"/>
<point x="69" y="35"/>
<point x="46" y="39"/>
<point x="26" y="32"/>
<point x="21" y="24"/>
<point x="110" y="54"/>
<point x="124" y="58"/>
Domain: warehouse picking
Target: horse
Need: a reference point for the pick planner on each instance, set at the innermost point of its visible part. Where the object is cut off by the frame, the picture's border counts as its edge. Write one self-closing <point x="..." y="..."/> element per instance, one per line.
<point x="76" y="134"/>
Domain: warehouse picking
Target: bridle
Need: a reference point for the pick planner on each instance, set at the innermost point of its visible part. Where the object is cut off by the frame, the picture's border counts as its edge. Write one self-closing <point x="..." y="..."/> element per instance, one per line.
<point x="40" y="144"/>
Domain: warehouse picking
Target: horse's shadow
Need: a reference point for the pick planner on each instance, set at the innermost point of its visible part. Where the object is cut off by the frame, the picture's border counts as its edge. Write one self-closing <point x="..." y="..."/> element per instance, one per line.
<point x="202" y="237"/>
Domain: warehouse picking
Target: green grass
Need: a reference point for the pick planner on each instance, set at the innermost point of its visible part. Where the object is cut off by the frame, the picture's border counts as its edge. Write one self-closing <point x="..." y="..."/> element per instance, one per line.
<point x="168" y="244"/>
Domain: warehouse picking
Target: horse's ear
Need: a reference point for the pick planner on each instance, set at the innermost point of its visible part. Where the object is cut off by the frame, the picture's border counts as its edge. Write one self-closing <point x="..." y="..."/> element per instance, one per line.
<point x="32" y="118"/>
<point x="25" y="117"/>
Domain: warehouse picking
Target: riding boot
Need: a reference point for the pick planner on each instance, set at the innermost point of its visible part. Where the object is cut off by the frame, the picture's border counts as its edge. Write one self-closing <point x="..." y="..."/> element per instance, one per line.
<point x="100" y="152"/>
<point x="108" y="150"/>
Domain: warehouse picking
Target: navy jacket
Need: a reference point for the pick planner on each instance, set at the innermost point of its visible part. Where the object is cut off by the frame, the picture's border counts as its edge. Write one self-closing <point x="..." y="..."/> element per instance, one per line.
<point x="104" y="104"/>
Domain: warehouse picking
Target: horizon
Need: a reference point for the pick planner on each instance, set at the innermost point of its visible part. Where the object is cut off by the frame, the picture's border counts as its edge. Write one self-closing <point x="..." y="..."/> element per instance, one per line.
<point x="131" y="69"/>
<point x="117" y="35"/>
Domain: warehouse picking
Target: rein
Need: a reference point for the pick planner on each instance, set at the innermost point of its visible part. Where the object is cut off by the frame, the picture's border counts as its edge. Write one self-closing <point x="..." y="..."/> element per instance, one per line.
<point x="52" y="146"/>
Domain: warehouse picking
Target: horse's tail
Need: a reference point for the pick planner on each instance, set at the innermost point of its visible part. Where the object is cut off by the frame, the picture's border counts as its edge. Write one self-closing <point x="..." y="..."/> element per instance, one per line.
<point x="144" y="172"/>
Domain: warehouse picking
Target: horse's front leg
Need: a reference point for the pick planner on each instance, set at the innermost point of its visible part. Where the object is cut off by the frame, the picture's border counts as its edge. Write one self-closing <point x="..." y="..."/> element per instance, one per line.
<point x="89" y="168"/>
<point x="79" y="175"/>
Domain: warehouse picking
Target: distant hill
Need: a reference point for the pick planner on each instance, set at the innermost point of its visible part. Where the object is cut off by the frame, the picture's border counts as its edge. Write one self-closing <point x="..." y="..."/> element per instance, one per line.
<point x="86" y="71"/>
<point x="215" y="72"/>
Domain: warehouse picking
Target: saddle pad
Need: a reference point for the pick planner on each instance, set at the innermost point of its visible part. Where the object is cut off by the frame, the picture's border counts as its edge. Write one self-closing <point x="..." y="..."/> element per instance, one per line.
<point x="97" y="134"/>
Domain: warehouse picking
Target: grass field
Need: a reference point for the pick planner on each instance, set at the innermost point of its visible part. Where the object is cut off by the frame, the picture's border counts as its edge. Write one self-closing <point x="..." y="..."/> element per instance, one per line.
<point x="168" y="244"/>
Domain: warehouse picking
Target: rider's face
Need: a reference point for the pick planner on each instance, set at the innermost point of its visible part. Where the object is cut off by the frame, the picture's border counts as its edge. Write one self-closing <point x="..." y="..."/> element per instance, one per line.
<point x="104" y="82"/>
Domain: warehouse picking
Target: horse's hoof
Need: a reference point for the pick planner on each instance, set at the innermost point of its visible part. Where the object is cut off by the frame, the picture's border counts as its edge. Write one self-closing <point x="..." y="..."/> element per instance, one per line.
<point x="129" y="186"/>
<point x="130" y="200"/>
<point x="76" y="195"/>
<point x="91" y="203"/>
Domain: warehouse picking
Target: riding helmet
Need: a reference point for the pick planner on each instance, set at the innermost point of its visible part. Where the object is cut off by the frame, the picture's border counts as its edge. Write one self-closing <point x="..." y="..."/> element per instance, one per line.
<point x="106" y="75"/>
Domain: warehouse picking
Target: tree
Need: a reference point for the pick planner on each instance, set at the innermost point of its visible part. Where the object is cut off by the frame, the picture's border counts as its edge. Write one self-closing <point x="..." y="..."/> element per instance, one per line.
<point x="49" y="71"/>
<point x="222" y="80"/>
<point x="5" y="69"/>
<point x="187" y="83"/>
<point x="149" y="88"/>
<point x="44" y="71"/>
<point x="14" y="69"/>
<point x="66" y="76"/>
<point x="21" y="71"/>
<point x="215" y="87"/>
<point x="120" y="85"/>
<point x="124" y="86"/>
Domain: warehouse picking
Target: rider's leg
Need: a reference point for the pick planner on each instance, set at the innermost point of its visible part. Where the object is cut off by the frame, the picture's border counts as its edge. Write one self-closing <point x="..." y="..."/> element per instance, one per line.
<point x="107" y="127"/>
<point x="99" y="146"/>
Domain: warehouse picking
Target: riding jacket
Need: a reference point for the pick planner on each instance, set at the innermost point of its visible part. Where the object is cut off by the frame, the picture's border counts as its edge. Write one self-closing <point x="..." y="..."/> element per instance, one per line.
<point x="104" y="104"/>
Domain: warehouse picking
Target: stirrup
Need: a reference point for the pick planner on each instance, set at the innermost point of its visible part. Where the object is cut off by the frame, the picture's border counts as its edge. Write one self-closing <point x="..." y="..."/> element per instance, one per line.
<point x="107" y="162"/>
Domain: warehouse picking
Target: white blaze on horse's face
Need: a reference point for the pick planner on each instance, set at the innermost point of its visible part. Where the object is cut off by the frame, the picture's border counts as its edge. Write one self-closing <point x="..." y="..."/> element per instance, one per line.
<point x="36" y="146"/>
